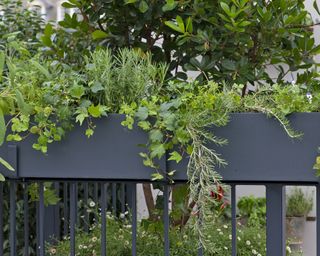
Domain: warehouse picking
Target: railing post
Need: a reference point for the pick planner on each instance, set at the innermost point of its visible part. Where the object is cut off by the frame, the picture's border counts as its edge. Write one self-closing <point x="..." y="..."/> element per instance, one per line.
<point x="166" y="220"/>
<point x="275" y="220"/>
<point x="318" y="218"/>
<point x="134" y="218"/>
<point x="234" y="220"/>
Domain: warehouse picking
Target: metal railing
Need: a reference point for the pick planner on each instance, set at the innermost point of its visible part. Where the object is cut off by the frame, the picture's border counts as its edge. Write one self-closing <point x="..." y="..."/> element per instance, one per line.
<point x="68" y="216"/>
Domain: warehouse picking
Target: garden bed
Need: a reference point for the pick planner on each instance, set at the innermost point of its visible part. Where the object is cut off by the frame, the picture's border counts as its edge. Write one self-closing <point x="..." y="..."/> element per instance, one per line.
<point x="258" y="150"/>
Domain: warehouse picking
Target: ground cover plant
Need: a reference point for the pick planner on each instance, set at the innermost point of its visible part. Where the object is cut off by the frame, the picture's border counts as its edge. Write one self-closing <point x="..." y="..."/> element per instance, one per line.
<point x="250" y="239"/>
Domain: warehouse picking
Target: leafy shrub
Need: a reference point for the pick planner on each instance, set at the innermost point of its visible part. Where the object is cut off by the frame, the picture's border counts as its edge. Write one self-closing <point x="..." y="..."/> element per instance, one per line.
<point x="15" y="18"/>
<point x="225" y="40"/>
<point x="150" y="239"/>
<point x="253" y="208"/>
<point x="298" y="203"/>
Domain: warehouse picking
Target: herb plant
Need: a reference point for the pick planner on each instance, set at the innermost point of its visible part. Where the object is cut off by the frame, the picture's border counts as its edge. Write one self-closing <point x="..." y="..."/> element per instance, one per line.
<point x="298" y="203"/>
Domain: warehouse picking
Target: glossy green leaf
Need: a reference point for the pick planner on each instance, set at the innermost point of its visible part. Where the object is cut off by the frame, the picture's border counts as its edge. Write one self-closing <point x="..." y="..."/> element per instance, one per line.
<point x="142" y="113"/>
<point x="180" y="23"/>
<point x="2" y="127"/>
<point x="173" y="26"/>
<point x="95" y="111"/>
<point x="77" y="91"/>
<point x="2" y="62"/>
<point x="155" y="135"/>
<point x="225" y="8"/>
<point x="99" y="34"/>
<point x="189" y="26"/>
<point x="143" y="6"/>
<point x="169" y="6"/>
<point x="157" y="150"/>
<point x="6" y="164"/>
<point x="175" y="156"/>
<point x="156" y="176"/>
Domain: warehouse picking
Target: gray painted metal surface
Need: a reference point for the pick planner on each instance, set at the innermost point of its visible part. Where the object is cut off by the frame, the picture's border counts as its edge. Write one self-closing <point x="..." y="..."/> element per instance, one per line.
<point x="258" y="150"/>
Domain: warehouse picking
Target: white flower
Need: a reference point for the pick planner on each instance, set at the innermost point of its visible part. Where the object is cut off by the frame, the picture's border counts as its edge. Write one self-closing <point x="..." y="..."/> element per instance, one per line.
<point x="92" y="204"/>
<point x="230" y="237"/>
<point x="288" y="249"/>
<point x="122" y="216"/>
<point x="254" y="251"/>
<point x="52" y="251"/>
<point x="218" y="229"/>
<point x="239" y="239"/>
<point x="220" y="233"/>
<point x="94" y="239"/>
<point x="225" y="226"/>
<point x="80" y="246"/>
<point x="258" y="254"/>
<point x="226" y="248"/>
<point x="248" y="242"/>
<point x="309" y="97"/>
<point x="126" y="213"/>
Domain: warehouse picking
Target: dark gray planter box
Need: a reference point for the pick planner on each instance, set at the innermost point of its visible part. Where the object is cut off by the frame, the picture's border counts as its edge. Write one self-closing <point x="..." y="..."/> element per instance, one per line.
<point x="111" y="153"/>
<point x="258" y="150"/>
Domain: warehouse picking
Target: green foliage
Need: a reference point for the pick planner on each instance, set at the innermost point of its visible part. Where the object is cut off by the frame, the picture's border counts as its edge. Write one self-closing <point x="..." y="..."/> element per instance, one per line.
<point x="16" y="18"/>
<point x="47" y="98"/>
<point x="254" y="209"/>
<point x="225" y="40"/>
<point x="150" y="239"/>
<point x="124" y="77"/>
<point x="298" y="203"/>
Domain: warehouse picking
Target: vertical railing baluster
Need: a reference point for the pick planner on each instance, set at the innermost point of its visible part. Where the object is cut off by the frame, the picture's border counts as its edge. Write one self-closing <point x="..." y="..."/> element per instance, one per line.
<point x="37" y="228"/>
<point x="200" y="249"/>
<point x="57" y="212"/>
<point x="166" y="219"/>
<point x="114" y="198"/>
<point x="13" y="235"/>
<point x="134" y="218"/>
<point x="65" y="209"/>
<point x="234" y="220"/>
<point x="41" y="219"/>
<point x="123" y="198"/>
<point x="73" y="215"/>
<point x="96" y="198"/>
<point x="76" y="200"/>
<point x="103" y="218"/>
<point x="85" y="201"/>
<point x="26" y="219"/>
<point x="275" y="232"/>
<point x="1" y="218"/>
<point x="318" y="218"/>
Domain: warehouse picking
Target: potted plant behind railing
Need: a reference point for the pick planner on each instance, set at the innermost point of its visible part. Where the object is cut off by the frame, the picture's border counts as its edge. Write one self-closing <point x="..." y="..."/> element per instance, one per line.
<point x="298" y="207"/>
